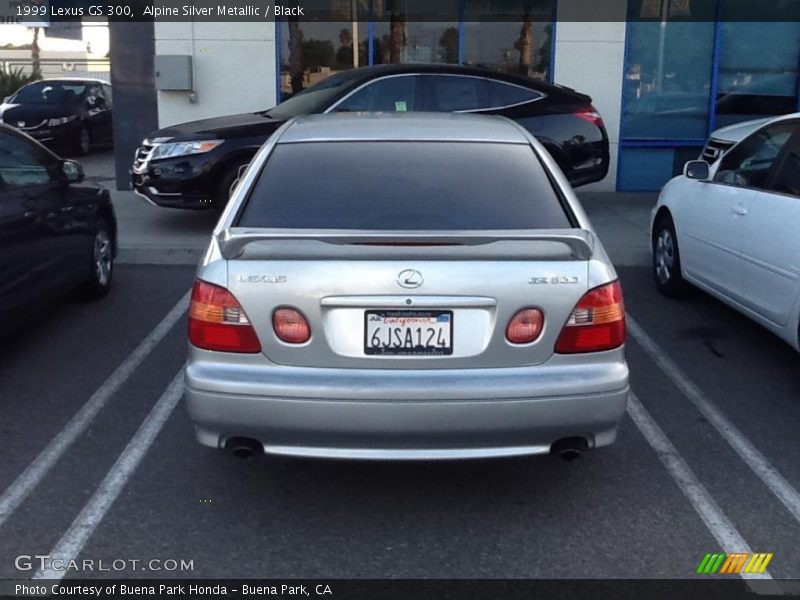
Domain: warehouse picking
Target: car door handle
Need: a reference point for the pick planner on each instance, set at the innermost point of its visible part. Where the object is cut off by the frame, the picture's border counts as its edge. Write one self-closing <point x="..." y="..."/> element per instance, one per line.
<point x="31" y="214"/>
<point x="739" y="210"/>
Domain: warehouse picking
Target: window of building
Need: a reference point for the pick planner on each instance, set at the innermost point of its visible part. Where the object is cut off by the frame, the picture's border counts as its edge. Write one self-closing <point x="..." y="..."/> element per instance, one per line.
<point x="760" y="83"/>
<point x="511" y="36"/>
<point x="687" y="74"/>
<point x="312" y="51"/>
<point x="419" y="31"/>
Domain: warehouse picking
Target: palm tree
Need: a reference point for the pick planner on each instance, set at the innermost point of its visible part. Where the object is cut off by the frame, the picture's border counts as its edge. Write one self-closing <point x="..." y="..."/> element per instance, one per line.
<point x="35" y="62"/>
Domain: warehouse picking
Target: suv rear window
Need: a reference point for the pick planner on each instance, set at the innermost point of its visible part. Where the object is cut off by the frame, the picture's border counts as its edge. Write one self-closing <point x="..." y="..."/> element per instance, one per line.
<point x="403" y="185"/>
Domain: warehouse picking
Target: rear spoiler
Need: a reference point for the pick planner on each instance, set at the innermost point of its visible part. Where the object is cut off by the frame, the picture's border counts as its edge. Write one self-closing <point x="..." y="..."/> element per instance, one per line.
<point x="233" y="241"/>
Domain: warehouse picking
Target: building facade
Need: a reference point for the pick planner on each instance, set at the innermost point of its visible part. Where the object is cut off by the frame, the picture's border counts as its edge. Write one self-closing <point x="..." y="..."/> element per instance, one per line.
<point x="662" y="73"/>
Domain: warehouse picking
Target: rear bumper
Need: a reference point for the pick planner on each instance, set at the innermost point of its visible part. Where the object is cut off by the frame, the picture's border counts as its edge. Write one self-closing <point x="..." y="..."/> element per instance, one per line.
<point x="407" y="414"/>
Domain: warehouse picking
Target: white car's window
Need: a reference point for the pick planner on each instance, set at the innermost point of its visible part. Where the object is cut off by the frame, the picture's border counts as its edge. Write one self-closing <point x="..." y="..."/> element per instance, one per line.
<point x="22" y="164"/>
<point x="787" y="177"/>
<point x="404" y="186"/>
<point x="750" y="163"/>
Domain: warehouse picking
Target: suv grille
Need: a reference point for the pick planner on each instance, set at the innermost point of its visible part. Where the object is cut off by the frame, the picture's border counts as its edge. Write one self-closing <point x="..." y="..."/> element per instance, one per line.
<point x="714" y="149"/>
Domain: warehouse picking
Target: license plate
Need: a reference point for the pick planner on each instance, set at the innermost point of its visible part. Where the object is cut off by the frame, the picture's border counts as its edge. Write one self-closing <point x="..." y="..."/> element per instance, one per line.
<point x="408" y="332"/>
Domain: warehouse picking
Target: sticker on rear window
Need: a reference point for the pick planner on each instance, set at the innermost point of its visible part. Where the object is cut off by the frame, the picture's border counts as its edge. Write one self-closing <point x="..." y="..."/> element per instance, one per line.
<point x="400" y="106"/>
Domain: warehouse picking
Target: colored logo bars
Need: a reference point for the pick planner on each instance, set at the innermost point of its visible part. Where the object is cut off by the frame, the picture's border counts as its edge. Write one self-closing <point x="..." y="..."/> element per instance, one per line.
<point x="739" y="562"/>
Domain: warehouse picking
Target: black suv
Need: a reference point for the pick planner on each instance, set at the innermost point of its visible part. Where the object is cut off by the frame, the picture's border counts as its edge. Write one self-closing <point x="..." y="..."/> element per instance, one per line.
<point x="197" y="165"/>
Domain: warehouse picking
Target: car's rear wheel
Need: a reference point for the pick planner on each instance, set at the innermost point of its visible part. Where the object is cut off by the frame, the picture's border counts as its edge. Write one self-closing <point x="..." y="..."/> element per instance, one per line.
<point x="102" y="264"/>
<point x="667" y="258"/>
<point x="228" y="183"/>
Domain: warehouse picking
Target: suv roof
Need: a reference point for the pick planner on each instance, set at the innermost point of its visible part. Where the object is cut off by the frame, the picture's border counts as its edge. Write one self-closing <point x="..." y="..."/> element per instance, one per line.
<point x="403" y="127"/>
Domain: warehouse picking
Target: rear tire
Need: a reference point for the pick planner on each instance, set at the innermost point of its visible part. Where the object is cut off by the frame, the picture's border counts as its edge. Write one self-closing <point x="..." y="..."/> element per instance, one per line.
<point x="102" y="264"/>
<point x="228" y="183"/>
<point x="667" y="259"/>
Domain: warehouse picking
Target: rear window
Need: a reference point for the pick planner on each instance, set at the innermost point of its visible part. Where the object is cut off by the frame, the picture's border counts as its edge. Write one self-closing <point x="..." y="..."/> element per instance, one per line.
<point x="403" y="185"/>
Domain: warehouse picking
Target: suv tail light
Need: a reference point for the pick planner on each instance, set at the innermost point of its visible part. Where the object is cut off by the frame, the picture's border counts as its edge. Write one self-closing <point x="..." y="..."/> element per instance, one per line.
<point x="525" y="326"/>
<point x="218" y="322"/>
<point x="291" y="326"/>
<point x="589" y="113"/>
<point x="596" y="324"/>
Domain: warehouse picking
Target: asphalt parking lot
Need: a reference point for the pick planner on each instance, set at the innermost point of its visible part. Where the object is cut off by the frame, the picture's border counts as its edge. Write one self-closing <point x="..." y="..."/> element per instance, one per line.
<point x="100" y="461"/>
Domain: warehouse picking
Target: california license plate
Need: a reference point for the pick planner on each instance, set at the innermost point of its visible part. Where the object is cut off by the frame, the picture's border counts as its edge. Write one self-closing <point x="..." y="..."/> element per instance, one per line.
<point x="408" y="332"/>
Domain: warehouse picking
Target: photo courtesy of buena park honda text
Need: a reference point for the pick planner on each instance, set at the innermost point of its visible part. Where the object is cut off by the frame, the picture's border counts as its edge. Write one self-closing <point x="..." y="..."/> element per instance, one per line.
<point x="400" y="299"/>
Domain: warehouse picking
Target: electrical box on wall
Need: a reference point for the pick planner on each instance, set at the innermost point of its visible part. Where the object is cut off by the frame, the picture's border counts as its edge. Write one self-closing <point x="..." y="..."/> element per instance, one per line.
<point x="173" y="72"/>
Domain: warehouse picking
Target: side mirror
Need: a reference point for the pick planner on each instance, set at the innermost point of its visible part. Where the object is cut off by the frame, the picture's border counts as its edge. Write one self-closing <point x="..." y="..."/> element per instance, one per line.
<point x="72" y="171"/>
<point x="696" y="169"/>
<point x="6" y="99"/>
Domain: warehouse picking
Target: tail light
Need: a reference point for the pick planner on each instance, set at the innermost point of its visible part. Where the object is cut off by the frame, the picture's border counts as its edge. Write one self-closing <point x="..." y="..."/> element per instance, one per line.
<point x="525" y="326"/>
<point x="589" y="113"/>
<point x="291" y="326"/>
<point x="596" y="324"/>
<point x="218" y="322"/>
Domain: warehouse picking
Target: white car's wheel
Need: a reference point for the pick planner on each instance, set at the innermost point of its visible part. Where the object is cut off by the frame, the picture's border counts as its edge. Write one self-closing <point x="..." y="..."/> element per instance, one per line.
<point x="666" y="258"/>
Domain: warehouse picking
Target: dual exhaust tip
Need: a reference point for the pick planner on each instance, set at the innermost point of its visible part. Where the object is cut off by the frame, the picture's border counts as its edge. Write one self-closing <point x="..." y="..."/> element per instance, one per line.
<point x="568" y="449"/>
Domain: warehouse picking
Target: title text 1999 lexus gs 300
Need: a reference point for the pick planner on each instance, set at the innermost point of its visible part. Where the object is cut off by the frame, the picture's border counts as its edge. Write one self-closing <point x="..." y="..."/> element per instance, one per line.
<point x="405" y="287"/>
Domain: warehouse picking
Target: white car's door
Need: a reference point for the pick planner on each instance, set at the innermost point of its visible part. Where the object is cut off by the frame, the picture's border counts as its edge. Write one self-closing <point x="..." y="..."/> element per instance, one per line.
<point x="715" y="217"/>
<point x="771" y="240"/>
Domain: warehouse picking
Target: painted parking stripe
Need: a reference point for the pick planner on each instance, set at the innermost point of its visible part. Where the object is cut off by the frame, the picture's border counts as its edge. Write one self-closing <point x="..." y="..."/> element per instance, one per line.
<point x="72" y="542"/>
<point x="38" y="469"/>
<point x="754" y="459"/>
<point x="726" y="534"/>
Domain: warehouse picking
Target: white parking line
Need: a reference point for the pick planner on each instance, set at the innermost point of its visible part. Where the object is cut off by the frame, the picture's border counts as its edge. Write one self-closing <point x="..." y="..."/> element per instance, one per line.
<point x="36" y="471"/>
<point x="729" y="538"/>
<point x="757" y="462"/>
<point x="73" y="541"/>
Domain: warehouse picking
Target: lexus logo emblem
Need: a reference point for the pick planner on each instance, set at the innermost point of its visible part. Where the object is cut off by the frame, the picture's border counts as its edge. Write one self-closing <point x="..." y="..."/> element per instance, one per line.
<point x="410" y="278"/>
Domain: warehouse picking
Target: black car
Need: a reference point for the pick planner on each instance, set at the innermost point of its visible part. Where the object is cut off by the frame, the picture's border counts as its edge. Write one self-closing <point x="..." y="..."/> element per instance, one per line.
<point x="197" y="164"/>
<point x="67" y="115"/>
<point x="56" y="233"/>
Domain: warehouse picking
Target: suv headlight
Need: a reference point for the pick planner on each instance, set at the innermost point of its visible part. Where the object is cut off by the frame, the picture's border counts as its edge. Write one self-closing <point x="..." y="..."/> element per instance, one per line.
<point x="173" y="149"/>
<point x="61" y="121"/>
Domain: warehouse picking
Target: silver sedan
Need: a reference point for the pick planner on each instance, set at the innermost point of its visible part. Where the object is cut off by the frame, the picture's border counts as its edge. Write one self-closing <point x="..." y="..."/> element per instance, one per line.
<point x="405" y="287"/>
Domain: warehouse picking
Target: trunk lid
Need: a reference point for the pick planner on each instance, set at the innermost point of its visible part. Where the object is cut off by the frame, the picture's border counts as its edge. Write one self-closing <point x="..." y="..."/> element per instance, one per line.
<point x="471" y="284"/>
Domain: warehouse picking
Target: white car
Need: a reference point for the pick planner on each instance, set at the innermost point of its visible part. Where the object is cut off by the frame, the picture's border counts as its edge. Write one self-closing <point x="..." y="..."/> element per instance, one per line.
<point x="733" y="228"/>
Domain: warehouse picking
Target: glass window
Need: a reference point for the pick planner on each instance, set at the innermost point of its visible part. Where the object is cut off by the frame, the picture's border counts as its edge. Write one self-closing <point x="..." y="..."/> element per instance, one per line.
<point x="390" y="94"/>
<point x="787" y="178"/>
<point x="757" y="64"/>
<point x="512" y="36"/>
<point x="107" y="93"/>
<point x="311" y="51"/>
<point x="749" y="163"/>
<point x="22" y="163"/>
<point x="666" y="89"/>
<point x="504" y="94"/>
<point x="315" y="99"/>
<point x="448" y="93"/>
<point x="403" y="185"/>
<point x="400" y="40"/>
<point x="94" y="94"/>
<point x="50" y="92"/>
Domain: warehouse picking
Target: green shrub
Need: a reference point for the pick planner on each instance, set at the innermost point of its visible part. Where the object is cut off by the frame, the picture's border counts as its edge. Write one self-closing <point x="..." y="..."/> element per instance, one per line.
<point x="13" y="79"/>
